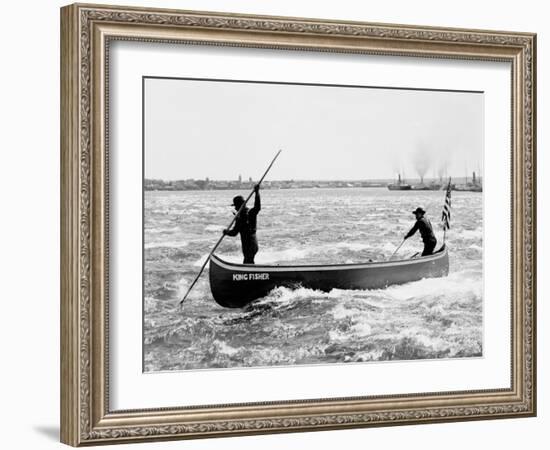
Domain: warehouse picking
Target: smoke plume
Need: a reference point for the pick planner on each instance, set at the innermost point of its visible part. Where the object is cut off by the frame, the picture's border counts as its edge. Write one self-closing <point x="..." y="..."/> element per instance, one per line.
<point x="421" y="161"/>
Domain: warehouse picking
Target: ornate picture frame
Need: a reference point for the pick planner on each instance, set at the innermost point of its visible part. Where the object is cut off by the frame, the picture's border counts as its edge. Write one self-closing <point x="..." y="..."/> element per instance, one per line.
<point x="86" y="34"/>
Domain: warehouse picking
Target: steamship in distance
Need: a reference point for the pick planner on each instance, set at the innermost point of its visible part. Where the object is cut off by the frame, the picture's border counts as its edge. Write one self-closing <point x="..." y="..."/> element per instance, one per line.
<point x="432" y="186"/>
<point x="473" y="185"/>
<point x="399" y="185"/>
<point x="470" y="186"/>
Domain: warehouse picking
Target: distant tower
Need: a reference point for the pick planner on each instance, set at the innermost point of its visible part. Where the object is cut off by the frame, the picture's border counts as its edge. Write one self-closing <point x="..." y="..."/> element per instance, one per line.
<point x="250" y="179"/>
<point x="240" y="179"/>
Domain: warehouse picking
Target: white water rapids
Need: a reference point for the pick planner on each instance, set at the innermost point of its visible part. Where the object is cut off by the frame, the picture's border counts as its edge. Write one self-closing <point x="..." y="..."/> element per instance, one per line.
<point x="431" y="318"/>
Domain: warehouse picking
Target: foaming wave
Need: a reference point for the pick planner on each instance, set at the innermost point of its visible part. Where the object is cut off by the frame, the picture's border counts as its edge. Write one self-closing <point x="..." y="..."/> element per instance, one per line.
<point x="354" y="246"/>
<point x="289" y="254"/>
<point x="199" y="262"/>
<point x="224" y="348"/>
<point x="161" y="230"/>
<point x="282" y="297"/>
<point x="450" y="287"/>
<point x="167" y="244"/>
<point x="340" y="312"/>
<point x="182" y="285"/>
<point x="213" y="228"/>
<point x="447" y="343"/>
<point x="361" y="329"/>
<point x="268" y="256"/>
<point x="472" y="234"/>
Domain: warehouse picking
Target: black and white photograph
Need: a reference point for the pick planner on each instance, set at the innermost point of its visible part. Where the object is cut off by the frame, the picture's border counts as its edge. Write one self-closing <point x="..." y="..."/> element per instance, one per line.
<point x="294" y="224"/>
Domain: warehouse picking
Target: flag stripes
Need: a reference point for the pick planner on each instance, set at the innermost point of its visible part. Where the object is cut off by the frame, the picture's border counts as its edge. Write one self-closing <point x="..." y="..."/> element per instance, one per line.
<point x="446" y="214"/>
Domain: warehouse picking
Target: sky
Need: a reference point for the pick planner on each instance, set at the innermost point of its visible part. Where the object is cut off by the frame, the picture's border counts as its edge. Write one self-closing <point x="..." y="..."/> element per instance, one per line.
<point x="222" y="129"/>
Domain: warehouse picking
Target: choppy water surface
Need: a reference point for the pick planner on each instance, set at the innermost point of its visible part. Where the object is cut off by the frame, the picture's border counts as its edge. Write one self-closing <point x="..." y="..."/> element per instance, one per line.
<point x="431" y="318"/>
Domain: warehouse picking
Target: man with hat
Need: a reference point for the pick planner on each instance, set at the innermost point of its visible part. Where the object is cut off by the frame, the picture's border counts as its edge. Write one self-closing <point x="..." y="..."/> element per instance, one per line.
<point x="245" y="224"/>
<point x="426" y="231"/>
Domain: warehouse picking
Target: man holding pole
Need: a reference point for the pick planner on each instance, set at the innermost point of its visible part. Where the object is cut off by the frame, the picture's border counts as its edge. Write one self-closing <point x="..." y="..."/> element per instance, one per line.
<point x="245" y="224"/>
<point x="423" y="225"/>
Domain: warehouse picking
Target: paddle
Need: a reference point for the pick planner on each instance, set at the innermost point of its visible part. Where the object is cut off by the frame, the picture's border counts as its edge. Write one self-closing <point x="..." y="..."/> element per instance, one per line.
<point x="397" y="249"/>
<point x="230" y="225"/>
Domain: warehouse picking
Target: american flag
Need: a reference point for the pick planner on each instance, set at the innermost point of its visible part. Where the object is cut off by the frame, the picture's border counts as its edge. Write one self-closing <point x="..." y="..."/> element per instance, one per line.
<point x="446" y="214"/>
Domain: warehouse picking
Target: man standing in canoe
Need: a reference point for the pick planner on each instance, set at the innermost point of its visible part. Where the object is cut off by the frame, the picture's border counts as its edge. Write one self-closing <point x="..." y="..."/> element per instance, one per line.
<point x="245" y="224"/>
<point x="426" y="231"/>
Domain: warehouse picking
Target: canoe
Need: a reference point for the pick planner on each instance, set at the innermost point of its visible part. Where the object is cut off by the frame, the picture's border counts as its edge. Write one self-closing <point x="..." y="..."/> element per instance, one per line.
<point x="236" y="285"/>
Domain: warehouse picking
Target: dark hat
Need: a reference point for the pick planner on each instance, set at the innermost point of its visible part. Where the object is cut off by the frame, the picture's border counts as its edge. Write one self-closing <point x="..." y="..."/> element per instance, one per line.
<point x="238" y="201"/>
<point x="419" y="210"/>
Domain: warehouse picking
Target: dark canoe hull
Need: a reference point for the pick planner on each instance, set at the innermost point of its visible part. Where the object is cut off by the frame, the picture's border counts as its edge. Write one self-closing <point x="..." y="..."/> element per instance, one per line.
<point x="236" y="285"/>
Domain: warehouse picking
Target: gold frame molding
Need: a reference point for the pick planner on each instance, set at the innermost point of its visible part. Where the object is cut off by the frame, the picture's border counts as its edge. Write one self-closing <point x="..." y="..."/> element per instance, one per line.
<point x="86" y="31"/>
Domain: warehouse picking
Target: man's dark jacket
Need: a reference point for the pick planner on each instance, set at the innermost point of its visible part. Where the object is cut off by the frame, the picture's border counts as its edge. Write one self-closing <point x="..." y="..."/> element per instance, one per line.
<point x="426" y="231"/>
<point x="246" y="226"/>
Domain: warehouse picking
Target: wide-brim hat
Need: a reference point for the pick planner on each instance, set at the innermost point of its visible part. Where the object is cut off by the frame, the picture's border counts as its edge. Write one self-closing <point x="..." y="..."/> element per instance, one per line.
<point x="419" y="210"/>
<point x="237" y="201"/>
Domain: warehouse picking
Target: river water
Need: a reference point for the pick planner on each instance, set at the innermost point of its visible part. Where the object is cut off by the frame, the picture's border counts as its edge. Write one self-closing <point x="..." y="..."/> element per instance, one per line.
<point x="431" y="318"/>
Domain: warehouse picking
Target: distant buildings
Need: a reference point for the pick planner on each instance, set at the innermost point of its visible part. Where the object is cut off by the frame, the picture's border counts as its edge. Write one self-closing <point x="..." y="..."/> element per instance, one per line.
<point x="459" y="184"/>
<point x="207" y="184"/>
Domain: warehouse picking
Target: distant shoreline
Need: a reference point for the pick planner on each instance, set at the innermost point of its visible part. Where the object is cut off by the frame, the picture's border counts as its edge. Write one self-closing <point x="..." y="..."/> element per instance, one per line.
<point x="222" y="185"/>
<point x="265" y="188"/>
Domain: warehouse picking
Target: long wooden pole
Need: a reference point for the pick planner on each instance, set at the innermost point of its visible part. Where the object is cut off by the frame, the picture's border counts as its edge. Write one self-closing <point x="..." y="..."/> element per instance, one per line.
<point x="228" y="227"/>
<point x="393" y="254"/>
